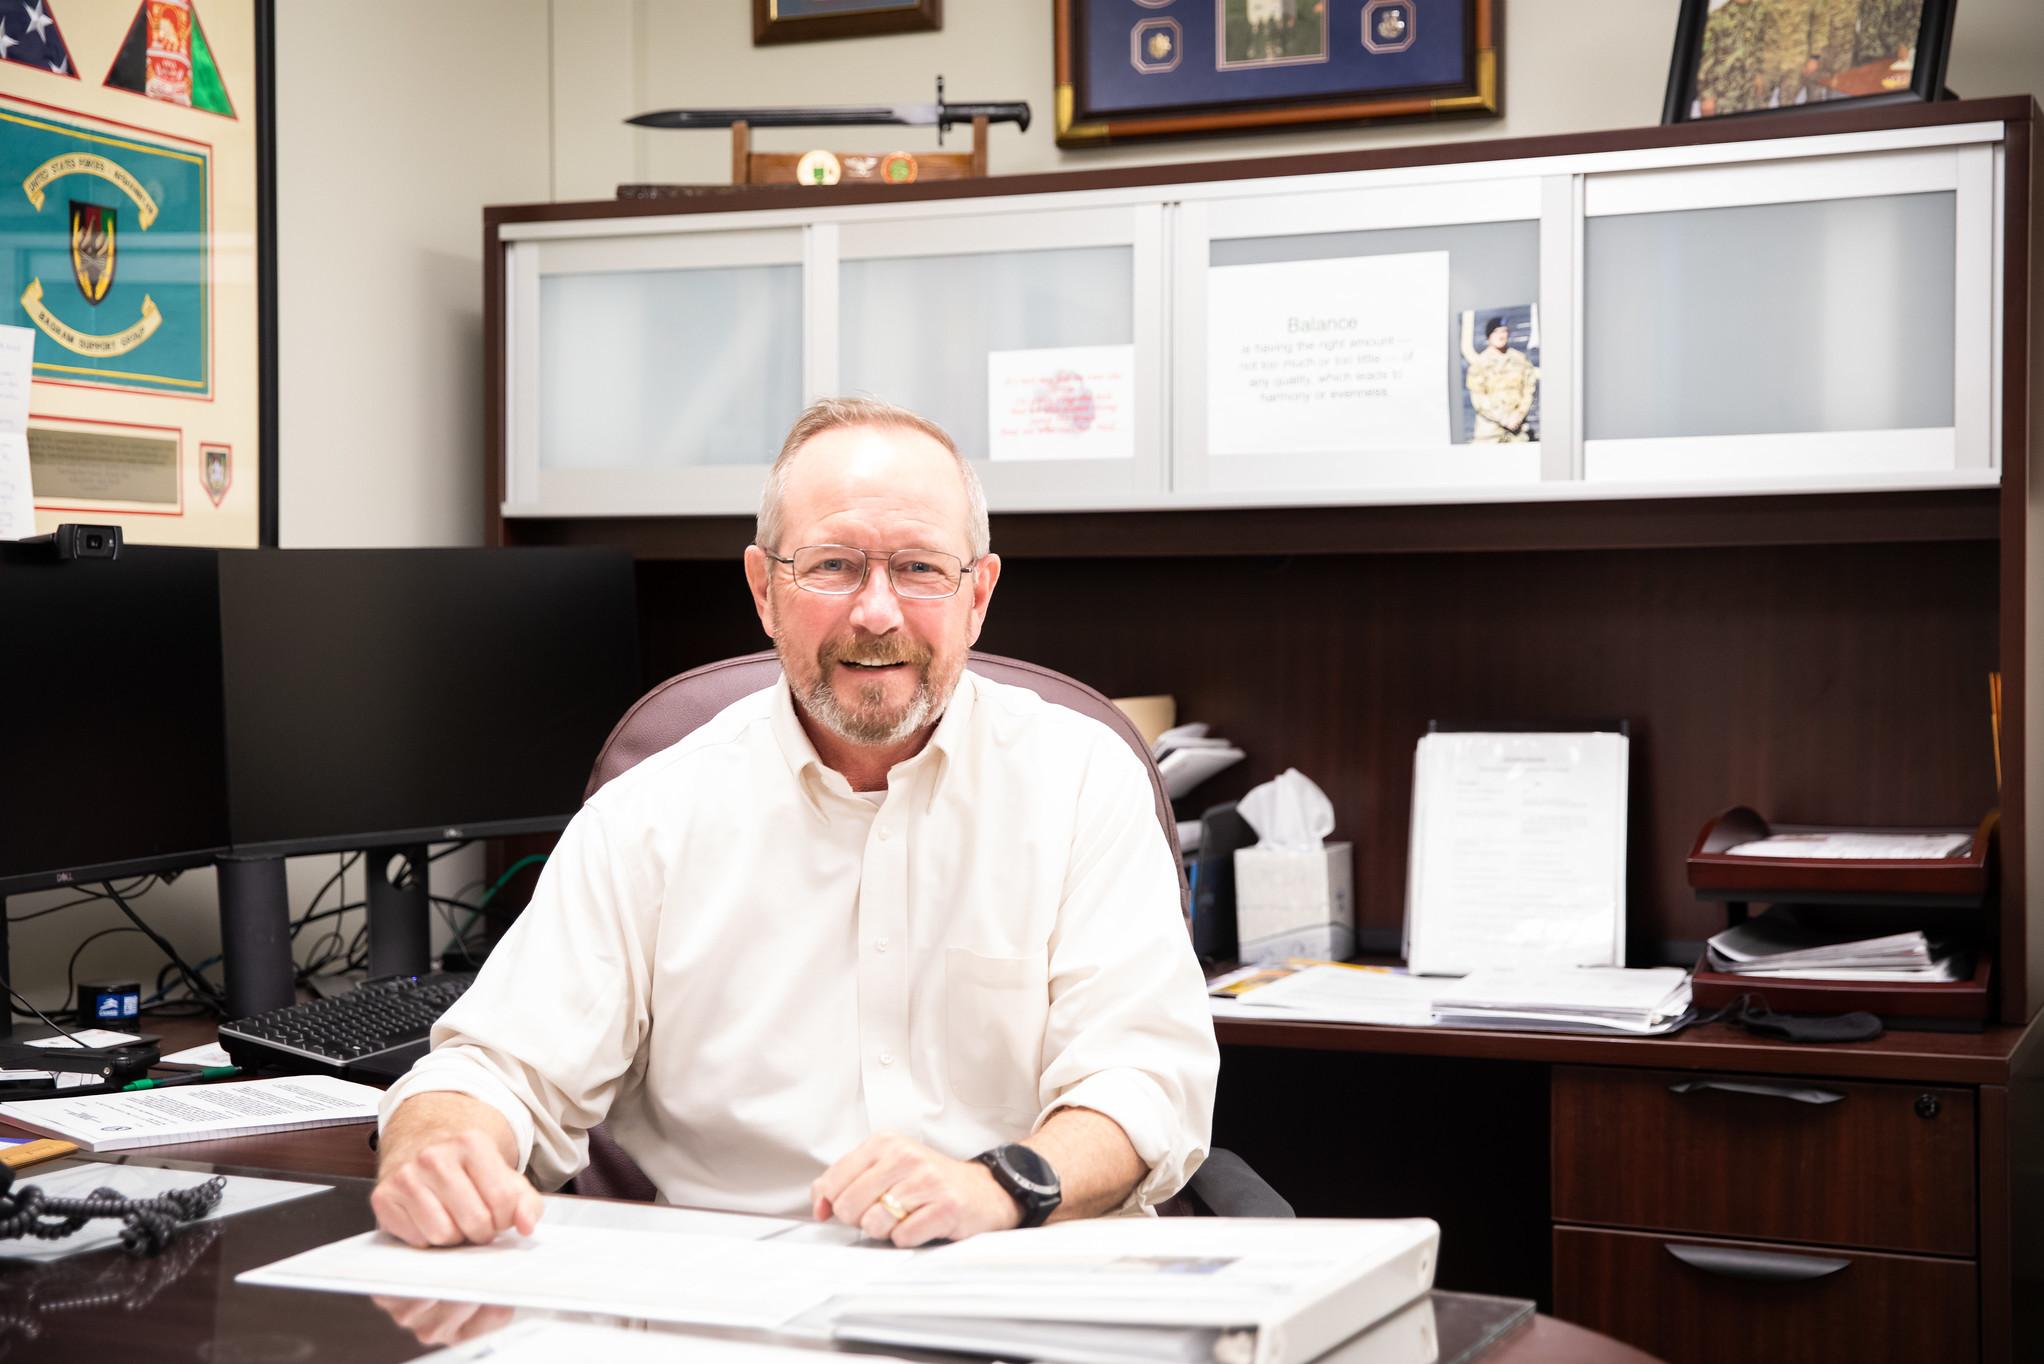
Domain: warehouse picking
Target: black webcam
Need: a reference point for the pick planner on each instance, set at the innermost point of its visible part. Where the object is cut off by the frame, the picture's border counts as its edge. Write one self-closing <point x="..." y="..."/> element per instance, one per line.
<point x="75" y="540"/>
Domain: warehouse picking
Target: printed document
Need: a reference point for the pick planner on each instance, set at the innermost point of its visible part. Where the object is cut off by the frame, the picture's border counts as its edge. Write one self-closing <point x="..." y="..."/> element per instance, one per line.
<point x="1518" y="851"/>
<point x="655" y="1263"/>
<point x="17" y="503"/>
<point x="1328" y="356"/>
<point x="156" y="1117"/>
<point x="1066" y="402"/>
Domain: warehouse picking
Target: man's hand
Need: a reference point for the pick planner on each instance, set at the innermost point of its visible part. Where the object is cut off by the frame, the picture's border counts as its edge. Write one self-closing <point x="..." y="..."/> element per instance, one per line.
<point x="445" y="1175"/>
<point x="941" y="1198"/>
<point x="433" y="1322"/>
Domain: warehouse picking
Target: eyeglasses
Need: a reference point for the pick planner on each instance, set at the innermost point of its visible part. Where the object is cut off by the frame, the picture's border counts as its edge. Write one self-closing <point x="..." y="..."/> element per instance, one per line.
<point x="840" y="570"/>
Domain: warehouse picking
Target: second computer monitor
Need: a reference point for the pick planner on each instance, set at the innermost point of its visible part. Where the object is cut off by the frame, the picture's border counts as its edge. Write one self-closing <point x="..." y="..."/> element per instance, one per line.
<point x="382" y="700"/>
<point x="382" y="697"/>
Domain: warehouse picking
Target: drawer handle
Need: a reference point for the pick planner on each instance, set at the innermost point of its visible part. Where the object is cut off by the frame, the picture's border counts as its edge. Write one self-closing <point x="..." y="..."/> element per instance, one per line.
<point x="1760" y="1265"/>
<point x="1796" y="1093"/>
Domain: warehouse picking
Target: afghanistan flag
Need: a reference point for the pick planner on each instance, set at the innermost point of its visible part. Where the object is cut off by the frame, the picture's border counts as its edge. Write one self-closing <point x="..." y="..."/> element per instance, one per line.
<point x="165" y="56"/>
<point x="29" y="35"/>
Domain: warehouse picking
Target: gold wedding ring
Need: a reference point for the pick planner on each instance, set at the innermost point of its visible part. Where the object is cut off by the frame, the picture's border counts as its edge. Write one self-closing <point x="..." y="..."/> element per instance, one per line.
<point x="893" y="1206"/>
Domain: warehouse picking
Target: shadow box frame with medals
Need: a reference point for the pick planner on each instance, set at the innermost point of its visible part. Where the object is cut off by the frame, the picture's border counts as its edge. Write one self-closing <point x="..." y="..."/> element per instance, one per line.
<point x="798" y="21"/>
<point x="1735" y="58"/>
<point x="1170" y="68"/>
<point x="140" y="139"/>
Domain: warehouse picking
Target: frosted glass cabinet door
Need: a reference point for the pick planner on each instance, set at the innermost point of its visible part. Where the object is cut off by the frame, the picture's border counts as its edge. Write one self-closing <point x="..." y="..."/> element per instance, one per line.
<point x="1343" y="341"/>
<point x="1817" y="320"/>
<point x="652" y="375"/>
<point x="1034" y="338"/>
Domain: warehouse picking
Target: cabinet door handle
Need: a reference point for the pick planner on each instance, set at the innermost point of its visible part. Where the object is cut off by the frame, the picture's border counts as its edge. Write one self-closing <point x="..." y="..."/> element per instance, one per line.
<point x="1801" y="1094"/>
<point x="1764" y="1266"/>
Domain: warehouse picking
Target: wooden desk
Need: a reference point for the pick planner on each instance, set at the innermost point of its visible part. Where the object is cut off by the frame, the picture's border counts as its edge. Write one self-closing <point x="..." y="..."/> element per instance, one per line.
<point x="189" y="1306"/>
<point x="1900" y="1173"/>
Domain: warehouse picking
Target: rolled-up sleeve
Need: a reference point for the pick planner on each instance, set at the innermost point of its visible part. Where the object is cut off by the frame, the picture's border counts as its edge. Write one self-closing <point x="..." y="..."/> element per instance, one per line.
<point x="1130" y="1033"/>
<point x="552" y="1026"/>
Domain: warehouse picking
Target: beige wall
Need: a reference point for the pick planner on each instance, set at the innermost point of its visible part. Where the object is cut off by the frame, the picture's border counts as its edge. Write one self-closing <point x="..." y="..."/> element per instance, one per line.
<point x="388" y="150"/>
<point x="1569" y="66"/>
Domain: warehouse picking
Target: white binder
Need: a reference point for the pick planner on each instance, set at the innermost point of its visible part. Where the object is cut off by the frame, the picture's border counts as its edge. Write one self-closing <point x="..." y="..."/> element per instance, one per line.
<point x="1134" y="1290"/>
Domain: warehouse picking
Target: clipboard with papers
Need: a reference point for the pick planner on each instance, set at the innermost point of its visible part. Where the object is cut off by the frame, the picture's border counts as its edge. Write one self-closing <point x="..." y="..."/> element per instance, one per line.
<point x="1518" y="848"/>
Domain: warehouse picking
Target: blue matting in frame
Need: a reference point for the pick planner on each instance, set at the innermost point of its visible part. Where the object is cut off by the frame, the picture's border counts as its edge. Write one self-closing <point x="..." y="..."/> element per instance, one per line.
<point x="1219" y="54"/>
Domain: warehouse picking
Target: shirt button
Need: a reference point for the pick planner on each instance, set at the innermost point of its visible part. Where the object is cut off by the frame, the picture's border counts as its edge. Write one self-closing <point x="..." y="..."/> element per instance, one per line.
<point x="879" y="944"/>
<point x="886" y="1058"/>
<point x="883" y="833"/>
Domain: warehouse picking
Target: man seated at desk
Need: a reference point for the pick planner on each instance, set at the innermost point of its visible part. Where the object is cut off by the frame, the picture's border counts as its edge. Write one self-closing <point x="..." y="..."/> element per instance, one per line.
<point x="886" y="942"/>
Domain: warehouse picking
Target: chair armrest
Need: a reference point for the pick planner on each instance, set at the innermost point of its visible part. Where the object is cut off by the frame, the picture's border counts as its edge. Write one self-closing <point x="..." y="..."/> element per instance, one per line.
<point x="1225" y="1186"/>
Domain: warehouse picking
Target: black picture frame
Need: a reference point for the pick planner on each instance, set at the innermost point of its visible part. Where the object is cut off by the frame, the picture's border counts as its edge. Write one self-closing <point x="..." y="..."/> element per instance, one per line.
<point x="776" y="21"/>
<point x="1841" y="80"/>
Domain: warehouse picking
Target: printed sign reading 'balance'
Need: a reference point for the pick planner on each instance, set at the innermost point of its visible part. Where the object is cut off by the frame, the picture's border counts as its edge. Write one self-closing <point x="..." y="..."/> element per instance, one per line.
<point x="1327" y="355"/>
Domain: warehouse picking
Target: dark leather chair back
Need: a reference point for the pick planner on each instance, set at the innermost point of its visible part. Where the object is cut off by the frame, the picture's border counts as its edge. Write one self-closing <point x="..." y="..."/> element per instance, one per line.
<point x="675" y="708"/>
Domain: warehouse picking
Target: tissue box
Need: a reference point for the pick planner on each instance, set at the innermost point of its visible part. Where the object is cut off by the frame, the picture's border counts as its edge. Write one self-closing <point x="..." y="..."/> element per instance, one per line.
<point x="1295" y="903"/>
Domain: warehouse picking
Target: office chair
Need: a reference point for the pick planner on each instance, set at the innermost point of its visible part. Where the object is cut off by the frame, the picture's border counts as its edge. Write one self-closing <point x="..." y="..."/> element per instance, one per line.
<point x="1223" y="1186"/>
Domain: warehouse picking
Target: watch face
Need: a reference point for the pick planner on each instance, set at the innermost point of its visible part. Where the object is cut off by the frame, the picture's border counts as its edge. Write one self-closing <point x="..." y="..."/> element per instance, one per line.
<point x="1029" y="1168"/>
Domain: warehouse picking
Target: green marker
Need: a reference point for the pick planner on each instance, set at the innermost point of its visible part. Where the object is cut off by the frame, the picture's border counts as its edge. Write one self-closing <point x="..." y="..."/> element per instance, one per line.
<point x="209" y="1073"/>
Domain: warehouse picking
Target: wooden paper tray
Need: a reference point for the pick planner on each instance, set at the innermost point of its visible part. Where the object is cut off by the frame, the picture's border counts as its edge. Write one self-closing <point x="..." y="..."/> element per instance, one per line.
<point x="1962" y="879"/>
<point x="1951" y="1004"/>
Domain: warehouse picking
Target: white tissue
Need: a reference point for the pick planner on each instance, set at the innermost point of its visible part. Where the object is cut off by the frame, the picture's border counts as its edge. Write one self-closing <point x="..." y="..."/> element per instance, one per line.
<point x="1288" y="811"/>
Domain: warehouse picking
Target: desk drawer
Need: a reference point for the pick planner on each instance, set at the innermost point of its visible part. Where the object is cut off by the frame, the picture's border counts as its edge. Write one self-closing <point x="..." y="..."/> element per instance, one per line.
<point x="1692" y="1301"/>
<point x="1885" y="1166"/>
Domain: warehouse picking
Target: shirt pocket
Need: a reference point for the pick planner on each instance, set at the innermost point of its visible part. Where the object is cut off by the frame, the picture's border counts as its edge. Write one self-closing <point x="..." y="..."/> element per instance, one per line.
<point x="994" y="1011"/>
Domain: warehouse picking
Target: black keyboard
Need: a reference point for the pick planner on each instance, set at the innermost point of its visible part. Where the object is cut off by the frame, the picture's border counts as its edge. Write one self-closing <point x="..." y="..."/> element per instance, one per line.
<point x="374" y="1032"/>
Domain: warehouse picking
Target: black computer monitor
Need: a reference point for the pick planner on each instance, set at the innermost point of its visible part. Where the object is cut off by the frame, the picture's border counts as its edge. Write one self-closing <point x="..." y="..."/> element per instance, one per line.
<point x="112" y="750"/>
<point x="384" y="699"/>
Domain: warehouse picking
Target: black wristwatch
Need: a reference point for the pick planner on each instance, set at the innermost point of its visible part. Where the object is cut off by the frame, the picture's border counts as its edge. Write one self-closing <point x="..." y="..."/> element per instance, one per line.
<point x="1028" y="1179"/>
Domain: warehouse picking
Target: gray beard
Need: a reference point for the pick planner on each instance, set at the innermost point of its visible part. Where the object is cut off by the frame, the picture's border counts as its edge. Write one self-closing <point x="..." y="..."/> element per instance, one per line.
<point x="864" y="727"/>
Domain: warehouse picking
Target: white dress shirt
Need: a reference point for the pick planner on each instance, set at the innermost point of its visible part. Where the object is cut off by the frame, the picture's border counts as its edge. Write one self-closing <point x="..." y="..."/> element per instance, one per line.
<point x="747" y="968"/>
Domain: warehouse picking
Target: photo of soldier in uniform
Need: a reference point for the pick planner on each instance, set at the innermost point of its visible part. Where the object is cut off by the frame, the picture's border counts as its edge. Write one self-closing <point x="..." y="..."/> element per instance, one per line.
<point x="1778" y="54"/>
<point x="1500" y="375"/>
<point x="1271" y="32"/>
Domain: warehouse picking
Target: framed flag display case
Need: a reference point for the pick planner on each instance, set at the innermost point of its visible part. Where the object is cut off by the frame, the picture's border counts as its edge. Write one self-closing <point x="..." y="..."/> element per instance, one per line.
<point x="136" y="141"/>
<point x="1162" y="68"/>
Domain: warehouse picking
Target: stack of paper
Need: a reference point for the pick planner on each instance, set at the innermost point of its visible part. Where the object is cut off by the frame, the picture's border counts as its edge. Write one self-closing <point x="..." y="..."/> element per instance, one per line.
<point x="1187" y="755"/>
<point x="1568" y="999"/>
<point x="1852" y="845"/>
<point x="1784" y="945"/>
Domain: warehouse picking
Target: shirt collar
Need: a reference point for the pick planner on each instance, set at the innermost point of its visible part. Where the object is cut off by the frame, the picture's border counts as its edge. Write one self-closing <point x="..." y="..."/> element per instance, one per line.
<point x="813" y="776"/>
<point x="793" y="741"/>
